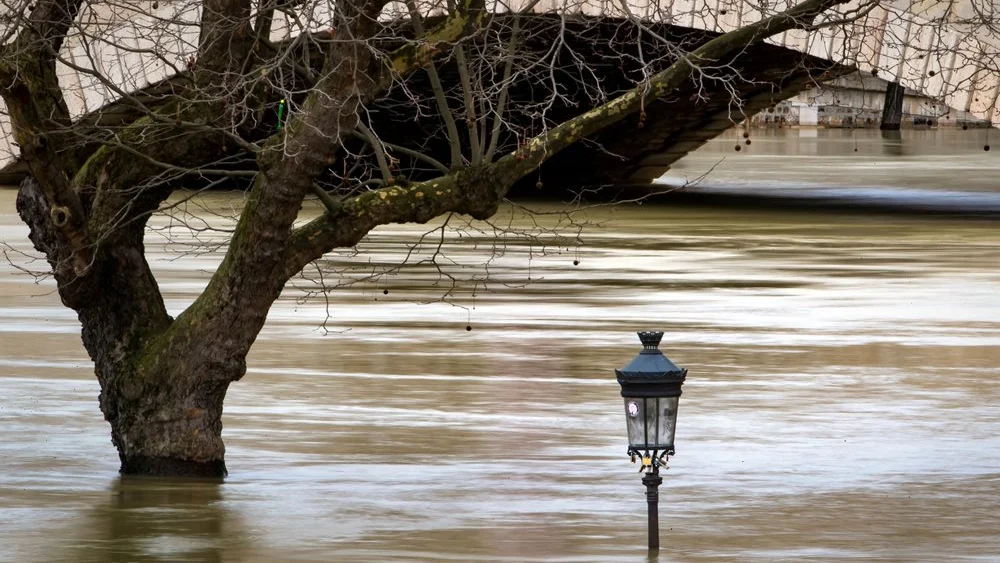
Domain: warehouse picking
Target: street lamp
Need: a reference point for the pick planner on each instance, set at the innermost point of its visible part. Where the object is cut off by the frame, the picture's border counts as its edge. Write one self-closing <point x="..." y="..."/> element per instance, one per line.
<point x="651" y="387"/>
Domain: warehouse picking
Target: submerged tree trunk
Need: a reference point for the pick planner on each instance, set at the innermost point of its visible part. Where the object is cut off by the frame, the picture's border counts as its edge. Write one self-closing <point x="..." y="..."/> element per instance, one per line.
<point x="164" y="407"/>
<point x="169" y="425"/>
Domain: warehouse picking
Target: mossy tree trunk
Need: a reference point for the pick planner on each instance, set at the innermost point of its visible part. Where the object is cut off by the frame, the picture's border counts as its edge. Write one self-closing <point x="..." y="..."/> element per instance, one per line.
<point x="164" y="412"/>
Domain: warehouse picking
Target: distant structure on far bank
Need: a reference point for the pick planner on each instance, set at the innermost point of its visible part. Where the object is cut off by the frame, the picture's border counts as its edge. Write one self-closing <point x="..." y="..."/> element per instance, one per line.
<point x="857" y="101"/>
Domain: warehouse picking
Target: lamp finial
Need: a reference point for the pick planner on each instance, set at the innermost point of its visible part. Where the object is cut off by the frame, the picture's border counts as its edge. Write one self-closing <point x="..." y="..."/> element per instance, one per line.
<point x="650" y="339"/>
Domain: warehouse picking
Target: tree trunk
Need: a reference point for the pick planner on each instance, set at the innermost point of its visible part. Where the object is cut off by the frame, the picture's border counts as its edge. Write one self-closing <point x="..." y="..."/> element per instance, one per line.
<point x="161" y="391"/>
<point x="170" y="425"/>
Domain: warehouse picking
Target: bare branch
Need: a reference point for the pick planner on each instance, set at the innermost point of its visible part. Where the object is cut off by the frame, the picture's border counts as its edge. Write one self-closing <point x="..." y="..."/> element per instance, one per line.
<point x="409" y="152"/>
<point x="439" y="97"/>
<point x="501" y="107"/>
<point x="376" y="146"/>
<point x="470" y="105"/>
<point x="543" y="147"/>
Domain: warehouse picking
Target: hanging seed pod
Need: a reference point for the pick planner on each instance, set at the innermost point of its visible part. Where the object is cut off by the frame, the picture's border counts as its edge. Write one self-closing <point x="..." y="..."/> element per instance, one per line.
<point x="737" y="148"/>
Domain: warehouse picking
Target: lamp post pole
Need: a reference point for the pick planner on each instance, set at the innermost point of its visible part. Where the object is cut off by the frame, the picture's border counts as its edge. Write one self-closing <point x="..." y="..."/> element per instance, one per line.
<point x="651" y="387"/>
<point x="652" y="481"/>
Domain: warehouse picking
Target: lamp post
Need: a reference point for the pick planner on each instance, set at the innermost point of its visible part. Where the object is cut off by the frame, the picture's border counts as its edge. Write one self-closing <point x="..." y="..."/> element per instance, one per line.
<point x="651" y="387"/>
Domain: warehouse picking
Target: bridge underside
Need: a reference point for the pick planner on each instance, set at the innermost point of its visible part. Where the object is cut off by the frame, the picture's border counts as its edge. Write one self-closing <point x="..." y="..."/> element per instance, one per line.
<point x="633" y="151"/>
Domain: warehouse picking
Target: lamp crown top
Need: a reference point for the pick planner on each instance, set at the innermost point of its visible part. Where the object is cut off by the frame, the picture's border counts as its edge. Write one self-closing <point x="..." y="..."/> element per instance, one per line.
<point x="650" y="339"/>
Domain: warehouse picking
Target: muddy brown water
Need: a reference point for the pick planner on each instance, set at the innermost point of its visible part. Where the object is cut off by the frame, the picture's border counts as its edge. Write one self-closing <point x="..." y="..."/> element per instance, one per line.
<point x="842" y="402"/>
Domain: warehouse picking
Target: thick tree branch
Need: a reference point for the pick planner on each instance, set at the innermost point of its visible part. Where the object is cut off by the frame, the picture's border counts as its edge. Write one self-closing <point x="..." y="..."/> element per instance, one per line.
<point x="179" y="135"/>
<point x="225" y="42"/>
<point x="40" y="117"/>
<point x="251" y="275"/>
<point x="265" y="19"/>
<point x="253" y="272"/>
<point x="464" y="21"/>
<point x="539" y="149"/>
<point x="123" y="187"/>
<point x="47" y="26"/>
<point x="477" y="191"/>
<point x="472" y="191"/>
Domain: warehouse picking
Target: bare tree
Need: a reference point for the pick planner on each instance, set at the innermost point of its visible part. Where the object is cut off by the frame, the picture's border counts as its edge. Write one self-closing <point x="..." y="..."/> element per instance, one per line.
<point x="278" y="95"/>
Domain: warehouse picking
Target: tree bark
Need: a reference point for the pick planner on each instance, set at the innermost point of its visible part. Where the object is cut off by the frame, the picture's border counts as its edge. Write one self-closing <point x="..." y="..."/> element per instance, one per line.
<point x="164" y="407"/>
<point x="168" y="425"/>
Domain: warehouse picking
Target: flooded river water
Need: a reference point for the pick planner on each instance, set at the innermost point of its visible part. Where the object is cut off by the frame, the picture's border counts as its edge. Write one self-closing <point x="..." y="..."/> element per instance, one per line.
<point x="842" y="402"/>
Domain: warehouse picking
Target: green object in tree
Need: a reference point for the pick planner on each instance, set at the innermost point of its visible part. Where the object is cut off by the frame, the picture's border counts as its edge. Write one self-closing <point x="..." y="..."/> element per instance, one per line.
<point x="281" y="112"/>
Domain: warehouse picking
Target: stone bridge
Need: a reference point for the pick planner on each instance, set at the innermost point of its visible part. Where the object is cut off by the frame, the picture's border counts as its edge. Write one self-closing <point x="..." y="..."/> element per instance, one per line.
<point x="936" y="47"/>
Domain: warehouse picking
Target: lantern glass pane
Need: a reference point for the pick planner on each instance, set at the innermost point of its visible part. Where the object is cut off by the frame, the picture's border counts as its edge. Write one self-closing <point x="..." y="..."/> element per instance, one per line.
<point x="651" y="424"/>
<point x="666" y="422"/>
<point x="635" y="421"/>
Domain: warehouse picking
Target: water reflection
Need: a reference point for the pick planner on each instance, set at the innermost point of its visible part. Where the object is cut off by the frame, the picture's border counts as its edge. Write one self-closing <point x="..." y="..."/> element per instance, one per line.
<point x="892" y="143"/>
<point x="144" y="519"/>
